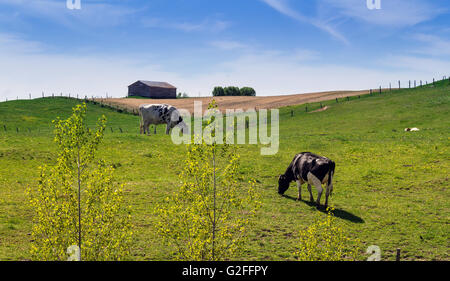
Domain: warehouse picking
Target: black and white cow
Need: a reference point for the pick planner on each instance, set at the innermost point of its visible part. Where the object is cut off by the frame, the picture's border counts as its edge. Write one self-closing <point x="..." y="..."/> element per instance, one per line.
<point x="160" y="114"/>
<point x="312" y="169"/>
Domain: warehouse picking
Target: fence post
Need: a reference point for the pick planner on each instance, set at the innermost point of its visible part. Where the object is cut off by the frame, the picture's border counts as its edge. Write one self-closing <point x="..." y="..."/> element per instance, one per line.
<point x="414" y="83"/>
<point x="292" y="113"/>
<point x="321" y="105"/>
<point x="380" y="89"/>
<point x="399" y="86"/>
<point x="409" y="84"/>
<point x="306" y="108"/>
<point x="433" y="81"/>
<point x="4" y="126"/>
<point x="420" y="83"/>
<point x="370" y="91"/>
<point x="397" y="257"/>
<point x="390" y="87"/>
<point x="336" y="100"/>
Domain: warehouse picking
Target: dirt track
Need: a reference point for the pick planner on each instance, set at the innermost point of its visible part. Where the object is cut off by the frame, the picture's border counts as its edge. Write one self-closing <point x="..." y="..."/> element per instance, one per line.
<point x="236" y="102"/>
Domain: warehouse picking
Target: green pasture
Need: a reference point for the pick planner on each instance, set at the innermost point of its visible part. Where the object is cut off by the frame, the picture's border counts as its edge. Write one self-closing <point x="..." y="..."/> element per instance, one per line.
<point x="391" y="187"/>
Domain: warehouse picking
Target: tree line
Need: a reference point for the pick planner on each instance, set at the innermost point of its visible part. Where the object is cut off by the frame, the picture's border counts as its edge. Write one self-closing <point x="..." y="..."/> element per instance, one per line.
<point x="233" y="91"/>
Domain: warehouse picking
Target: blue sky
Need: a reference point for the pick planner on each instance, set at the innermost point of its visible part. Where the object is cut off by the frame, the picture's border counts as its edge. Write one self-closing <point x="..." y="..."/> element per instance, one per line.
<point x="276" y="46"/>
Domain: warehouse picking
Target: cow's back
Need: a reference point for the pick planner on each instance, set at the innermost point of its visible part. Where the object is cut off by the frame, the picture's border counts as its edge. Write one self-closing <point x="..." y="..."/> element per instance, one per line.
<point x="156" y="113"/>
<point x="306" y="162"/>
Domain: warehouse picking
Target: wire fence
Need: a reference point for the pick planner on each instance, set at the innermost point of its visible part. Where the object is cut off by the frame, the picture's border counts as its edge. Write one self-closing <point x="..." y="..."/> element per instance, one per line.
<point x="106" y="103"/>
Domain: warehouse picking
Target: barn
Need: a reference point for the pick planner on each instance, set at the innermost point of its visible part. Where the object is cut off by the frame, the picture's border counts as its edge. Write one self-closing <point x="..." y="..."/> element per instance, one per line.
<point x="152" y="89"/>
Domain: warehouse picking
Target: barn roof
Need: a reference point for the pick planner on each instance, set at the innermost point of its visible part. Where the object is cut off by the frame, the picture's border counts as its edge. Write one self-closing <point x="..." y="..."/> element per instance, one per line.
<point x="157" y="84"/>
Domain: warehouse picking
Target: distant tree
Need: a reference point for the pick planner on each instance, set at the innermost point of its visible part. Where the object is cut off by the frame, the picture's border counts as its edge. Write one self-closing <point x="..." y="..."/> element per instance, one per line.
<point x="218" y="91"/>
<point x="182" y="95"/>
<point x="247" y="91"/>
<point x="232" y="91"/>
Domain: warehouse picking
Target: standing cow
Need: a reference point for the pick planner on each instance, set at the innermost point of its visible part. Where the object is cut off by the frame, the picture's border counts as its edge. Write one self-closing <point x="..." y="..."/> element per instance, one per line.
<point x="160" y="114"/>
<point x="312" y="169"/>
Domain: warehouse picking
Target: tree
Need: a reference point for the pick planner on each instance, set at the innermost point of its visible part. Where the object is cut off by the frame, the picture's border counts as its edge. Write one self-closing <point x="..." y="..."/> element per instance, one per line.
<point x="218" y="91"/>
<point x="232" y="91"/>
<point x="182" y="95"/>
<point x="76" y="201"/>
<point x="206" y="218"/>
<point x="247" y="91"/>
<point x="325" y="241"/>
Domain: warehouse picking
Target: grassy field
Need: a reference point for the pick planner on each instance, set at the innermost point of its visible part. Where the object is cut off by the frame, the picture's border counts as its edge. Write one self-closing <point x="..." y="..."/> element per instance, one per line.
<point x="391" y="187"/>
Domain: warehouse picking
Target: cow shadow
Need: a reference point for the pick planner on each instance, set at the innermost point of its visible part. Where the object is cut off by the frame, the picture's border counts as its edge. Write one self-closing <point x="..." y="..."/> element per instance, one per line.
<point x="339" y="213"/>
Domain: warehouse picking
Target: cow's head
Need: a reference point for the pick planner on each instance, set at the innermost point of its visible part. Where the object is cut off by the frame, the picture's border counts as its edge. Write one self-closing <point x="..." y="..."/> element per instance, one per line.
<point x="283" y="184"/>
<point x="182" y="125"/>
<point x="177" y="121"/>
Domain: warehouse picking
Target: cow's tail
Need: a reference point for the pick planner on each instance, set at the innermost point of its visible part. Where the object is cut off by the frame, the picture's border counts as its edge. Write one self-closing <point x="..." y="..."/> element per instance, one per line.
<point x="330" y="177"/>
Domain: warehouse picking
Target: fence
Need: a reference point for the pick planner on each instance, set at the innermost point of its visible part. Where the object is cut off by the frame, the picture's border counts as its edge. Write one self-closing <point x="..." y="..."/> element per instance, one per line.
<point x="103" y="101"/>
<point x="380" y="90"/>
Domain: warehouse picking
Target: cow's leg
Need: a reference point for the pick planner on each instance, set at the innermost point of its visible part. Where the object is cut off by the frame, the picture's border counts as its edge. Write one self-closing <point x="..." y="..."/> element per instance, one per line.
<point x="311" y="198"/>
<point x="327" y="193"/>
<point x="154" y="126"/>
<point x="329" y="189"/>
<point x="299" y="184"/>
<point x="318" y="184"/>
<point x="147" y="128"/>
<point x="167" y="129"/>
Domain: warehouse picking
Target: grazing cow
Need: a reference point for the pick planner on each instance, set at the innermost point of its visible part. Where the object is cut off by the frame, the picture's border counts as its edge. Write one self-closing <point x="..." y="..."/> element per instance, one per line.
<point x="160" y="114"/>
<point x="312" y="169"/>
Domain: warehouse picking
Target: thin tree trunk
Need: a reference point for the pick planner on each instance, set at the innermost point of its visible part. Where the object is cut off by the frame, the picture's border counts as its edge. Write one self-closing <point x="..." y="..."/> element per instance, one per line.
<point x="79" y="202"/>
<point x="214" y="206"/>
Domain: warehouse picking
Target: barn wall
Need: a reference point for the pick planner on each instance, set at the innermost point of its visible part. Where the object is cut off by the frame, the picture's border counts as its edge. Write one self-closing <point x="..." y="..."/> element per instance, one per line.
<point x="139" y="89"/>
<point x="163" y="93"/>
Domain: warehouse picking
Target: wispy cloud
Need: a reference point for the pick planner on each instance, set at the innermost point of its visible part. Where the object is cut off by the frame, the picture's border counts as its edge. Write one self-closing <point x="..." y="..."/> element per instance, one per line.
<point x="398" y="13"/>
<point x="12" y="43"/>
<point x="96" y="14"/>
<point x="283" y="7"/>
<point x="228" y="45"/>
<point x="433" y="45"/>
<point x="207" y="25"/>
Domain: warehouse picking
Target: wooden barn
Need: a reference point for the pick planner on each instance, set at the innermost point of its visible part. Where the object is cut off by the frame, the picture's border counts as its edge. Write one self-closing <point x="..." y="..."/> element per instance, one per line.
<point x="152" y="89"/>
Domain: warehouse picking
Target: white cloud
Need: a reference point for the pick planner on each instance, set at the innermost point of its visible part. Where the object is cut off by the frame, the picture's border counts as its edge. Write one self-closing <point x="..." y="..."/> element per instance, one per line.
<point x="228" y="45"/>
<point x="91" y="14"/>
<point x="26" y="68"/>
<point x="283" y="7"/>
<point x="434" y="45"/>
<point x="207" y="25"/>
<point x="305" y="55"/>
<point x="395" y="13"/>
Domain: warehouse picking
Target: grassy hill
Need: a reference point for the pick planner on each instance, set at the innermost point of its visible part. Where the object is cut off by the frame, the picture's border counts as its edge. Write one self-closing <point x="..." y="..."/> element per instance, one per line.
<point x="391" y="187"/>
